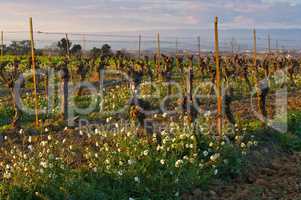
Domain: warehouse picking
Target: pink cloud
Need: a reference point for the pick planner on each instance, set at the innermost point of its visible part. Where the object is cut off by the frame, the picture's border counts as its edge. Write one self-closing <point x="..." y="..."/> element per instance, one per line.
<point x="247" y="7"/>
<point x="240" y="22"/>
<point x="191" y="19"/>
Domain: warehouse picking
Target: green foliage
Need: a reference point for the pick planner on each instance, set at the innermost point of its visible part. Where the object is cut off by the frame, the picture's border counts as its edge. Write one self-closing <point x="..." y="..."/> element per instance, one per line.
<point x="6" y="113"/>
<point x="294" y="123"/>
<point x="116" y="165"/>
<point x="289" y="141"/>
<point x="232" y="162"/>
<point x="18" y="48"/>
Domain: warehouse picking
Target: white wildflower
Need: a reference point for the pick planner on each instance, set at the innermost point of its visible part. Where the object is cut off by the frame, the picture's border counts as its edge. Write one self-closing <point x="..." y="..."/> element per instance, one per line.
<point x="145" y="152"/>
<point x="43" y="164"/>
<point x="7" y="175"/>
<point x="214" y="157"/>
<point x="130" y="162"/>
<point x="178" y="163"/>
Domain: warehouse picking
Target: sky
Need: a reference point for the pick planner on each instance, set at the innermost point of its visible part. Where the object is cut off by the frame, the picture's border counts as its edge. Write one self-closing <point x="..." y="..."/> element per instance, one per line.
<point x="172" y="18"/>
<point x="135" y="15"/>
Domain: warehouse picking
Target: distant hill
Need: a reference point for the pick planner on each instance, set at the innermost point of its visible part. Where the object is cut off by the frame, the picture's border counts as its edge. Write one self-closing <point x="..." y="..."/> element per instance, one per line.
<point x="238" y="39"/>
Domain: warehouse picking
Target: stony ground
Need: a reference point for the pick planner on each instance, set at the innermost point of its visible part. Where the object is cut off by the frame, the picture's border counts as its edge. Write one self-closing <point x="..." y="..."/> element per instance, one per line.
<point x="278" y="180"/>
<point x="274" y="175"/>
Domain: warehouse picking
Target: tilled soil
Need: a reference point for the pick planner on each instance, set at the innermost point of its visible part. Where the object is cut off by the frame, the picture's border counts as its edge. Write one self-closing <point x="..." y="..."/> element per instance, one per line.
<point x="279" y="180"/>
<point x="246" y="108"/>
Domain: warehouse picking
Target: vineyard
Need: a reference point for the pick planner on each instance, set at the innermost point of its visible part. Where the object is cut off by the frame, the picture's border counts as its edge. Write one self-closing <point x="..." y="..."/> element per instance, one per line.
<point x="185" y="125"/>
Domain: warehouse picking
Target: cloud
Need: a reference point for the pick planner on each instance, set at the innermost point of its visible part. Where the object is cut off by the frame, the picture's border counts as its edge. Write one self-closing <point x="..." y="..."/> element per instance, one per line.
<point x="192" y="20"/>
<point x="289" y="2"/>
<point x="240" y="22"/>
<point x="119" y="15"/>
<point x="247" y="7"/>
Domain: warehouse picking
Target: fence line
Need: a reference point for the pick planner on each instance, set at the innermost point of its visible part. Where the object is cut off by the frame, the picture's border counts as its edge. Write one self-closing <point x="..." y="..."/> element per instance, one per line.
<point x="142" y="42"/>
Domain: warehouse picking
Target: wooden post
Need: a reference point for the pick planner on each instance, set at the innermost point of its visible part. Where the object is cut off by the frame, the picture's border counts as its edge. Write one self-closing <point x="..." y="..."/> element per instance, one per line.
<point x="101" y="86"/>
<point x="84" y="42"/>
<point x="199" y="51"/>
<point x="46" y="83"/>
<point x="232" y="45"/>
<point x="190" y="79"/>
<point x="177" y="53"/>
<point x="34" y="71"/>
<point x="139" y="47"/>
<point x="269" y="44"/>
<point x="177" y="46"/>
<point x="255" y="73"/>
<point x="2" y="44"/>
<point x="65" y="89"/>
<point x="189" y="90"/>
<point x="67" y="43"/>
<point x="158" y="53"/>
<point x="218" y="80"/>
<point x="255" y="49"/>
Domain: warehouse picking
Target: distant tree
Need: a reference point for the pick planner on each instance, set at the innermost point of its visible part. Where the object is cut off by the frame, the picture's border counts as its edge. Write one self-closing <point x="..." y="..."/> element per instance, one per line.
<point x="18" y="47"/>
<point x="122" y="53"/>
<point x="4" y="48"/>
<point x="95" y="52"/>
<point x="38" y="52"/>
<point x="106" y="50"/>
<point x="64" y="45"/>
<point x="76" y="49"/>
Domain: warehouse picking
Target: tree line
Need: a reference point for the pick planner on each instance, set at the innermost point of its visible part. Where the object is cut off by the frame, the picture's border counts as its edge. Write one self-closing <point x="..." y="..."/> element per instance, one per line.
<point x="63" y="47"/>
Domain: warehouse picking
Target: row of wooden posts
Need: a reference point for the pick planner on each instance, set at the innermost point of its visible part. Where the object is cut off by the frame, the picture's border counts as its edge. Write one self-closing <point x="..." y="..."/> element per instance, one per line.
<point x="217" y="62"/>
